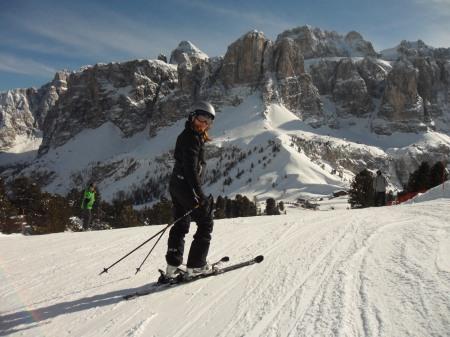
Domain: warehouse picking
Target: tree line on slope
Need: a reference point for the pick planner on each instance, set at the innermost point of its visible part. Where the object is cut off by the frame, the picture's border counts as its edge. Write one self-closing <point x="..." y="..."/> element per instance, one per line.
<point x="361" y="193"/>
<point x="24" y="205"/>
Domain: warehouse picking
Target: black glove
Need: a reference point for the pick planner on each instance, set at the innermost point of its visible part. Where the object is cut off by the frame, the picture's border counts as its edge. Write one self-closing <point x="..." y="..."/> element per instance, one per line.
<point x="202" y="200"/>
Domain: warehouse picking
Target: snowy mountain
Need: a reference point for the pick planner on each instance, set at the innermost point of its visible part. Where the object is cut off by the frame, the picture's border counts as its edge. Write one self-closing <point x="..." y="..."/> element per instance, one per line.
<point x="297" y="117"/>
<point x="185" y="51"/>
<point x="316" y="43"/>
<point x="368" y="272"/>
<point x="414" y="49"/>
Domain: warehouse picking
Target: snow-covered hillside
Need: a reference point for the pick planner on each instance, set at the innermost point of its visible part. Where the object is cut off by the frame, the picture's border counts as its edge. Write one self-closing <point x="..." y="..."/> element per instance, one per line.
<point x="371" y="272"/>
<point x="262" y="151"/>
<point x="441" y="191"/>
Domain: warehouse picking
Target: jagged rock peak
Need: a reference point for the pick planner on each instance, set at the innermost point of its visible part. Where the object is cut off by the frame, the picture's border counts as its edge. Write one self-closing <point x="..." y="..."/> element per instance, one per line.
<point x="253" y="34"/>
<point x="408" y="49"/>
<point x="353" y="36"/>
<point x="414" y="49"/>
<point x="315" y="43"/>
<point x="245" y="59"/>
<point x="186" y="50"/>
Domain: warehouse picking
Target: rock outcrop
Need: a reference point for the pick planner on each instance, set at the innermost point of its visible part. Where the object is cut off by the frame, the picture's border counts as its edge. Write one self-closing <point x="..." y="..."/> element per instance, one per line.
<point x="244" y="61"/>
<point x="304" y="69"/>
<point x="126" y="94"/>
<point x="374" y="72"/>
<point x="186" y="51"/>
<point x="401" y="100"/>
<point x="23" y="111"/>
<point x="350" y="90"/>
<point x="314" y="43"/>
<point x="287" y="59"/>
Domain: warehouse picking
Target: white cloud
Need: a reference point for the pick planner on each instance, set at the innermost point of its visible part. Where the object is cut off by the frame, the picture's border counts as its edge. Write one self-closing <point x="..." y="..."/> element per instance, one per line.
<point x="25" y="66"/>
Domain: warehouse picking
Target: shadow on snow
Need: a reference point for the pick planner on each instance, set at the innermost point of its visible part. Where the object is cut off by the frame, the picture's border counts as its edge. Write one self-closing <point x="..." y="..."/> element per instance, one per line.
<point x="13" y="322"/>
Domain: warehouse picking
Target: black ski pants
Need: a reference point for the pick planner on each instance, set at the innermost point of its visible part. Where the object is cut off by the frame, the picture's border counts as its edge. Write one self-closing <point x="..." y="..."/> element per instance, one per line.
<point x="183" y="201"/>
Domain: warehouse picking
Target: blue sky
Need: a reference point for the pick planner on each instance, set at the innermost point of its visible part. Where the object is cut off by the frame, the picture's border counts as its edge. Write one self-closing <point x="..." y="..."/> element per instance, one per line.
<point x="38" y="37"/>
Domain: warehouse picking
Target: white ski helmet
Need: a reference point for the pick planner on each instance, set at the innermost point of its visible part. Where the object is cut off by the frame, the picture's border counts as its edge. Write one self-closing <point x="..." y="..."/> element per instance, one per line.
<point x="203" y="108"/>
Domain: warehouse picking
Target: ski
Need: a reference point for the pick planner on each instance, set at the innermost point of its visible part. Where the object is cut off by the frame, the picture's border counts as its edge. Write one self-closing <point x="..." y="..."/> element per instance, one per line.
<point x="158" y="286"/>
<point x="162" y="283"/>
<point x="215" y="265"/>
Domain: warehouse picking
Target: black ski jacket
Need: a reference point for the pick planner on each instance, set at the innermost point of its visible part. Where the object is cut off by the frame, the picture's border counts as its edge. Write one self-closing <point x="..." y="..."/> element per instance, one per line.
<point x="189" y="167"/>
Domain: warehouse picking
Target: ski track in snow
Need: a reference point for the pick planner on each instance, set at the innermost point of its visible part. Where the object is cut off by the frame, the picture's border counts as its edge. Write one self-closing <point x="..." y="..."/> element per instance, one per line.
<point x="372" y="272"/>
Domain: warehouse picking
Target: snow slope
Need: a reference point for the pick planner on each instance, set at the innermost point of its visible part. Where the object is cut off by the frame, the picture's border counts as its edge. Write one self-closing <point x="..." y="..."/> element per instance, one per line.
<point x="370" y="272"/>
<point x="24" y="150"/>
<point x="441" y="191"/>
<point x="118" y="164"/>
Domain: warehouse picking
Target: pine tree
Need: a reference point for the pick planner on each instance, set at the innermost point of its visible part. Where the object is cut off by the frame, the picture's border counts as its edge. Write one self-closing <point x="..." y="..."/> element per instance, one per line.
<point x="26" y="196"/>
<point x="54" y="214"/>
<point x="74" y="200"/>
<point x="271" y="207"/>
<point x="437" y="174"/>
<point x="250" y="207"/>
<point x="238" y="206"/>
<point x="361" y="192"/>
<point x="127" y="216"/>
<point x="97" y="211"/>
<point x="7" y="211"/>
<point x="228" y="208"/>
<point x="219" y="212"/>
<point x="161" y="212"/>
<point x="419" y="180"/>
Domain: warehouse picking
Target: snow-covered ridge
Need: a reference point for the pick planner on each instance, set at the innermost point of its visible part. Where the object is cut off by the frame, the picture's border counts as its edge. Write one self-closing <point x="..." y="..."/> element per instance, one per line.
<point x="439" y="192"/>
<point x="186" y="50"/>
<point x="256" y="151"/>
<point x="414" y="49"/>
<point x="316" y="42"/>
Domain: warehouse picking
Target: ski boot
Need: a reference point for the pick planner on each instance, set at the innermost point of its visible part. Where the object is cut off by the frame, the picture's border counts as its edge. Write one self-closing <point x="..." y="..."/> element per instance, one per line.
<point x="193" y="272"/>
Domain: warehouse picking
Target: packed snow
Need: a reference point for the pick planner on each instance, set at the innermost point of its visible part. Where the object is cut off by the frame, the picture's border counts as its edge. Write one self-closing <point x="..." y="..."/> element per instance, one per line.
<point x="370" y="272"/>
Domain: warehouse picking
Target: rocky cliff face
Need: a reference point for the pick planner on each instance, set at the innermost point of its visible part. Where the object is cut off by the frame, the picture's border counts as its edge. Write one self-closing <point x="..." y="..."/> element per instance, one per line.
<point x="352" y="85"/>
<point x="127" y="94"/>
<point x="186" y="51"/>
<point x="244" y="61"/>
<point x="323" y="77"/>
<point x="413" y="49"/>
<point x="401" y="100"/>
<point x="413" y="90"/>
<point x="23" y="111"/>
<point x="315" y="43"/>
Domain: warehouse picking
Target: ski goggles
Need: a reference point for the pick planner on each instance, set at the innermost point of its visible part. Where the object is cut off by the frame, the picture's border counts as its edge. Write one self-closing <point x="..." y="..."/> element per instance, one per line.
<point x="204" y="119"/>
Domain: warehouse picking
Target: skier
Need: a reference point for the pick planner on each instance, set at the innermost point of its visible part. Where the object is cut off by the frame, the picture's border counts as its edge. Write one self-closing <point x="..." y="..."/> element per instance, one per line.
<point x="187" y="194"/>
<point x="86" y="205"/>
<point x="379" y="185"/>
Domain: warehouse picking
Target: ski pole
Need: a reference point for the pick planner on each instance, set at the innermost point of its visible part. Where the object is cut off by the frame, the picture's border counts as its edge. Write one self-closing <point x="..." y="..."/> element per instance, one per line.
<point x="138" y="269"/>
<point x="105" y="270"/>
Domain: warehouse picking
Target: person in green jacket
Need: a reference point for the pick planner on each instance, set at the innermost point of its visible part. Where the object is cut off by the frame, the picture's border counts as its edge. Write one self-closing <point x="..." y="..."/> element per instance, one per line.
<point x="86" y="205"/>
